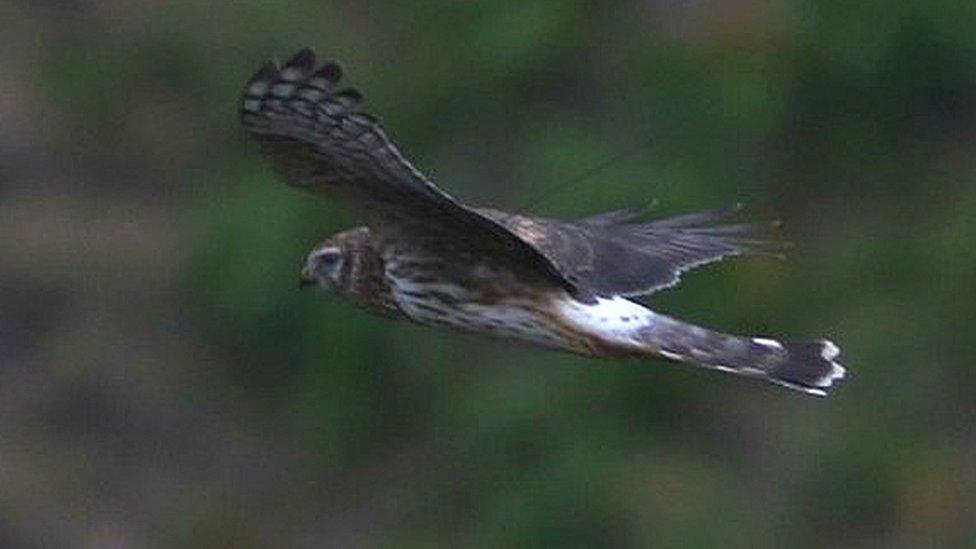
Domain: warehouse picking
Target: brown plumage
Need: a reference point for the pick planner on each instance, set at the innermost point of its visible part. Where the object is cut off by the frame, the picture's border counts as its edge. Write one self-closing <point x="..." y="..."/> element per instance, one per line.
<point x="426" y="257"/>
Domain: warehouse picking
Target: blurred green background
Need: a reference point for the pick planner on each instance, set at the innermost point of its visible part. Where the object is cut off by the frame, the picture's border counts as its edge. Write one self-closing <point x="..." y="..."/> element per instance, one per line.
<point x="164" y="383"/>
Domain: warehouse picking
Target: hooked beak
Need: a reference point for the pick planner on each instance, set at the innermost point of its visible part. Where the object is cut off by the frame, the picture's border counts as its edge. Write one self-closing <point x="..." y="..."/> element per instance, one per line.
<point x="304" y="278"/>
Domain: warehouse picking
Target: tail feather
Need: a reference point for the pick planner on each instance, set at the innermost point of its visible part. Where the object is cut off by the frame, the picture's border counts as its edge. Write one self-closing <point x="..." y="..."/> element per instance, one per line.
<point x="807" y="366"/>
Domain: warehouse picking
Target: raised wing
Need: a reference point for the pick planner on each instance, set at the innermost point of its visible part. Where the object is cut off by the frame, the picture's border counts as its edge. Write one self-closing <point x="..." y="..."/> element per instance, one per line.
<point x="614" y="254"/>
<point x="316" y="138"/>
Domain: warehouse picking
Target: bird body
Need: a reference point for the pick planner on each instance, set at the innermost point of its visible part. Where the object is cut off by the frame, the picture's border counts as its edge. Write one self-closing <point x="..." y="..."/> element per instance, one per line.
<point x="425" y="257"/>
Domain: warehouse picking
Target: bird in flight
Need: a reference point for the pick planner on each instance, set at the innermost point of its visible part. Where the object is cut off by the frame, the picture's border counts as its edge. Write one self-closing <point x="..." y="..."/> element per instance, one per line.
<point x="424" y="256"/>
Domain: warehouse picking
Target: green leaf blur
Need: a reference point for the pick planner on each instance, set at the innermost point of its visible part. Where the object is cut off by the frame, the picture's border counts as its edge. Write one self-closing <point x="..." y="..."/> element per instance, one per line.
<point x="188" y="394"/>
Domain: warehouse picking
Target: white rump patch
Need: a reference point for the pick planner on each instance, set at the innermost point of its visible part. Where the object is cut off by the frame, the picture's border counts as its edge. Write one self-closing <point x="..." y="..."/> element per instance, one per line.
<point x="615" y="319"/>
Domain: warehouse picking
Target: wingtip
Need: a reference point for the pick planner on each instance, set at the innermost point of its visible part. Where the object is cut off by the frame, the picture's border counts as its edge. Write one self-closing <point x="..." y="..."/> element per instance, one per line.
<point x="303" y="59"/>
<point x="267" y="71"/>
<point x="352" y="95"/>
<point x="331" y="71"/>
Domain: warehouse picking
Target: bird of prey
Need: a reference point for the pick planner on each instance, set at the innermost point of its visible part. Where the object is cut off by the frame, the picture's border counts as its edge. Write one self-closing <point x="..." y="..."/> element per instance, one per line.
<point x="426" y="257"/>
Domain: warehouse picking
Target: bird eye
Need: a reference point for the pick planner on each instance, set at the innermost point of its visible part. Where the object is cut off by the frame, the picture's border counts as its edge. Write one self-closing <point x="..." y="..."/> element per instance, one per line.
<point x="329" y="258"/>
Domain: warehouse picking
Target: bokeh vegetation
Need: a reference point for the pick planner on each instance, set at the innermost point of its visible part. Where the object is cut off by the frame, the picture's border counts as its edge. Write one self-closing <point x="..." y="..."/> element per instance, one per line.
<point x="854" y="122"/>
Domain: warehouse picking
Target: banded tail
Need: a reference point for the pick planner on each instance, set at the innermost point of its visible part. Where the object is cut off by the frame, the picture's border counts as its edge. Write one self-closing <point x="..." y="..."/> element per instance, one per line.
<point x="628" y="328"/>
<point x="807" y="366"/>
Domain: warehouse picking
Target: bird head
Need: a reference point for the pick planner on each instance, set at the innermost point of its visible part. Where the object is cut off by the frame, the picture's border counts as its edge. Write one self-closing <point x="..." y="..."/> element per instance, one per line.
<point x="330" y="263"/>
<point x="323" y="267"/>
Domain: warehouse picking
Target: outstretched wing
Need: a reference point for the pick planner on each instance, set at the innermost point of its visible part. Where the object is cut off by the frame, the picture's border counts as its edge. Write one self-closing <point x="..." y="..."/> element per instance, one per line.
<point x="614" y="254"/>
<point x="316" y="138"/>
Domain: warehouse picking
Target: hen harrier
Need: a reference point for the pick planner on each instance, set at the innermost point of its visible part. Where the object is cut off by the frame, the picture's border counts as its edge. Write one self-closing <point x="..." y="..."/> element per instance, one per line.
<point x="426" y="257"/>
